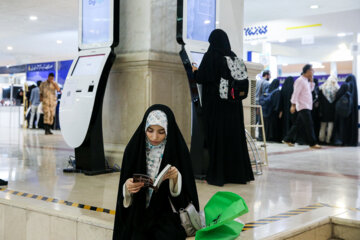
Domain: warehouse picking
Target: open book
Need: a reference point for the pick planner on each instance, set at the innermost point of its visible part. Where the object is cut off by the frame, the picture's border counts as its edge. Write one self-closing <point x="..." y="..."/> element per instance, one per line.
<point x="149" y="182"/>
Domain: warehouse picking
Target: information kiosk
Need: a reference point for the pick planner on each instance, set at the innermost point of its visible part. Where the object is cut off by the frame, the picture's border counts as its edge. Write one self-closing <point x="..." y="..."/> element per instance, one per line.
<point x="84" y="89"/>
<point x="196" y="19"/>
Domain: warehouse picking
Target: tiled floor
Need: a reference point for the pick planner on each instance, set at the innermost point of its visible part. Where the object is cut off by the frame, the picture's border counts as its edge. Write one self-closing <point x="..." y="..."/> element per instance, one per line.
<point x="296" y="177"/>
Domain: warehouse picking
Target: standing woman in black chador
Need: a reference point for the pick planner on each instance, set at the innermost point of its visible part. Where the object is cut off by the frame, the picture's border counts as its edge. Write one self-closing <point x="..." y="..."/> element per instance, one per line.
<point x="223" y="120"/>
<point x="273" y="120"/>
<point x="346" y="128"/>
<point x="316" y="109"/>
<point x="142" y="213"/>
<point x="287" y="118"/>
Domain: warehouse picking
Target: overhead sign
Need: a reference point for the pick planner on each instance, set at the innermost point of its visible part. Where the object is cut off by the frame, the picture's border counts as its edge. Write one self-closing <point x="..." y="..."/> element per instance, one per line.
<point x="39" y="67"/>
<point x="256" y="33"/>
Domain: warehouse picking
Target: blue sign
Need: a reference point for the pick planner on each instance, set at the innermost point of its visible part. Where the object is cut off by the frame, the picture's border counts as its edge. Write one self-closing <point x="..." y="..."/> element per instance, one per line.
<point x="38" y="67"/>
<point x="256" y="31"/>
<point x="63" y="70"/>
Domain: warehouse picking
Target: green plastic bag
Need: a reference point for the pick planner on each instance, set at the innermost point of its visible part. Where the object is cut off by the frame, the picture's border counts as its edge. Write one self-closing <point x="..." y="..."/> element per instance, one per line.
<point x="220" y="212"/>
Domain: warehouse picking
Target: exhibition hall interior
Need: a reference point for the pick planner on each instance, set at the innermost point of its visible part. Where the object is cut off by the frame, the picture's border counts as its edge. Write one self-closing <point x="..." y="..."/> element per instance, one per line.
<point x="179" y="119"/>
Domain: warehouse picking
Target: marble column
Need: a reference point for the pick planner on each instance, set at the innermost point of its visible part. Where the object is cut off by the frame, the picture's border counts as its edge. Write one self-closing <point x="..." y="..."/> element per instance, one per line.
<point x="148" y="70"/>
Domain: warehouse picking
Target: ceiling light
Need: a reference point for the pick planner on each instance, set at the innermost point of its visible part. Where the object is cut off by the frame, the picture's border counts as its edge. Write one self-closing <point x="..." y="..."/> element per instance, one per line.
<point x="9" y="48"/>
<point x="282" y="40"/>
<point x="59" y="41"/>
<point x="285" y="64"/>
<point x="341" y="34"/>
<point x="217" y="22"/>
<point x="314" y="6"/>
<point x="33" y="18"/>
<point x="207" y="21"/>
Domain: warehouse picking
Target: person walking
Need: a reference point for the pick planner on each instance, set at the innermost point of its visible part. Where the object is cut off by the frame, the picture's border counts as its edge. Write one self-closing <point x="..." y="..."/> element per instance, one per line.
<point x="49" y="101"/>
<point x="302" y="102"/>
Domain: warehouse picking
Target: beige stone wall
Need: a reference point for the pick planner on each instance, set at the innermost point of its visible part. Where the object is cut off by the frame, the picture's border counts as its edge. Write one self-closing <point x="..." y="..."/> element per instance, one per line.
<point x="137" y="81"/>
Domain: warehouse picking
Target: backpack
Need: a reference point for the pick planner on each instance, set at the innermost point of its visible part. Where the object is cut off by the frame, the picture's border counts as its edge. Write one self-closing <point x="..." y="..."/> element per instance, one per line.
<point x="344" y="105"/>
<point x="234" y="82"/>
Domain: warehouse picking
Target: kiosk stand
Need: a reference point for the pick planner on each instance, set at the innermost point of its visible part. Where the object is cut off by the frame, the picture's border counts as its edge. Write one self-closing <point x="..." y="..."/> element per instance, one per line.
<point x="196" y="19"/>
<point x="84" y="89"/>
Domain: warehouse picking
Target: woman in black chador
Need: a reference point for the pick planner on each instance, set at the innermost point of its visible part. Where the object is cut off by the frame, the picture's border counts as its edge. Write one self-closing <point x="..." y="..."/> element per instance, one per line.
<point x="287" y="118"/>
<point x="223" y="120"/>
<point x="346" y="128"/>
<point x="142" y="213"/>
<point x="273" y="121"/>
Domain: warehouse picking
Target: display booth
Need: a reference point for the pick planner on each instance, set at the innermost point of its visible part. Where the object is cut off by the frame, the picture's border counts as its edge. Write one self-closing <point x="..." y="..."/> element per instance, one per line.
<point x="84" y="88"/>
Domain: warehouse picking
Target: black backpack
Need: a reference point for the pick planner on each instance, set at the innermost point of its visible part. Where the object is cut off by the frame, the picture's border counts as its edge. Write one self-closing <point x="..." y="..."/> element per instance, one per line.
<point x="234" y="82"/>
<point x="344" y="105"/>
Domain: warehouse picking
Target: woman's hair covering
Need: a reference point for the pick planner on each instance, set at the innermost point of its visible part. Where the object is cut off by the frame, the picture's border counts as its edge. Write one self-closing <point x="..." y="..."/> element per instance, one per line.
<point x="330" y="88"/>
<point x="134" y="161"/>
<point x="274" y="85"/>
<point x="219" y="41"/>
<point x="158" y="118"/>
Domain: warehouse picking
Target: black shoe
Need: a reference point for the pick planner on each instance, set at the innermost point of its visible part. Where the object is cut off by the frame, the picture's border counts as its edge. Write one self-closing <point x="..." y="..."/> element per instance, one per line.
<point x="47" y="131"/>
<point x="3" y="183"/>
<point x="49" y="127"/>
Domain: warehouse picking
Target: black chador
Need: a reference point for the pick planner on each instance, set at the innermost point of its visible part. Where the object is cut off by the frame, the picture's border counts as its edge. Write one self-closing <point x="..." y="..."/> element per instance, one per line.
<point x="223" y="120"/>
<point x="287" y="119"/>
<point x="154" y="219"/>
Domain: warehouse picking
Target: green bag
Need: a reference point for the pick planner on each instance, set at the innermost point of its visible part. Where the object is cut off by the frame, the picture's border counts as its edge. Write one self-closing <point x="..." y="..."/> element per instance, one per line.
<point x="220" y="212"/>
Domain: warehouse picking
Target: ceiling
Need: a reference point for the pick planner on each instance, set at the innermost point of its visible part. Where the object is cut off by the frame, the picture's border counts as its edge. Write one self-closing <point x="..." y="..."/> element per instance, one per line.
<point x="36" y="41"/>
<point x="265" y="10"/>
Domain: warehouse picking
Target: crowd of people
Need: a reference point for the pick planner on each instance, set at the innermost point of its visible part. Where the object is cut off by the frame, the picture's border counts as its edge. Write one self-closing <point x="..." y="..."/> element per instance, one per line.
<point x="300" y="111"/>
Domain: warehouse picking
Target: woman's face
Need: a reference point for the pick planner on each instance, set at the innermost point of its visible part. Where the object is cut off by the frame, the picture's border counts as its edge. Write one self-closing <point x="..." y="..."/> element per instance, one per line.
<point x="156" y="134"/>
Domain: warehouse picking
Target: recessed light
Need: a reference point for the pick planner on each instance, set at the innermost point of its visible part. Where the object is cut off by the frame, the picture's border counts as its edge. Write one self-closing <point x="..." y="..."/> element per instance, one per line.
<point x="207" y="21"/>
<point x="282" y="40"/>
<point x="33" y="18"/>
<point x="59" y="41"/>
<point x="217" y="22"/>
<point x="341" y="34"/>
<point x="314" y="6"/>
<point x="9" y="48"/>
<point x="285" y="64"/>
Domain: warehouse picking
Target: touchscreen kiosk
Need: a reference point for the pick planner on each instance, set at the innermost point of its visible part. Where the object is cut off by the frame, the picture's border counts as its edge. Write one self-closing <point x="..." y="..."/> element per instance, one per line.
<point x="84" y="88"/>
<point x="195" y="21"/>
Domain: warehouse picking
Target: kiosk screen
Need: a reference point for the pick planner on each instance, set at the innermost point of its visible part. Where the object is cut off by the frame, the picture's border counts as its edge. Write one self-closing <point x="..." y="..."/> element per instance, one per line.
<point x="96" y="21"/>
<point x="88" y="65"/>
<point x="201" y="19"/>
<point x="197" y="57"/>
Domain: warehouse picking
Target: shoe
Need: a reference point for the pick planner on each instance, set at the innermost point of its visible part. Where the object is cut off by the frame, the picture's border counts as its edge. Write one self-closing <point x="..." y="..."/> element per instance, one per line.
<point x="316" y="146"/>
<point x="49" y="127"/>
<point x="3" y="183"/>
<point x="288" y="143"/>
<point x="47" y="131"/>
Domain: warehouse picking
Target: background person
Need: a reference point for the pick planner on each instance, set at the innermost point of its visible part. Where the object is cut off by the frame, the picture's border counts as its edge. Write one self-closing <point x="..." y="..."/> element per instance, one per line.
<point x="287" y="118"/>
<point x="302" y="102"/>
<point x="327" y="97"/>
<point x="49" y="101"/>
<point x="35" y="101"/>
<point x="346" y="128"/>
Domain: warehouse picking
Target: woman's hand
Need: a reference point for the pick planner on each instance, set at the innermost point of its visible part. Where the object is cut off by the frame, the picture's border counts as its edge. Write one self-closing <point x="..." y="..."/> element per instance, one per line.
<point x="133" y="187"/>
<point x="172" y="174"/>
